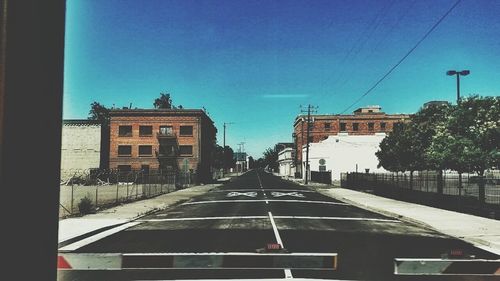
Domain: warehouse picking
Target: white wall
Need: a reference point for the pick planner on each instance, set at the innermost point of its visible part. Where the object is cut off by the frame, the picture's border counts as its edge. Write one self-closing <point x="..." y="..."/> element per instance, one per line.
<point x="80" y="147"/>
<point x="285" y="162"/>
<point x="342" y="152"/>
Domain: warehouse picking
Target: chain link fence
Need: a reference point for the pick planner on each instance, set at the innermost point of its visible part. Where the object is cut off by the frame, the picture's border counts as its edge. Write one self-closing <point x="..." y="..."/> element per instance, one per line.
<point x="100" y="189"/>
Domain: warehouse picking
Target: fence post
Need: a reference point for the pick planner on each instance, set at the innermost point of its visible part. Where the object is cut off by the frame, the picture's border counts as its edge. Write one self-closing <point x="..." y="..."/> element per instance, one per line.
<point x="440" y="182"/>
<point x="482" y="193"/>
<point x="96" y="202"/>
<point x="72" y="198"/>
<point x="117" y="185"/>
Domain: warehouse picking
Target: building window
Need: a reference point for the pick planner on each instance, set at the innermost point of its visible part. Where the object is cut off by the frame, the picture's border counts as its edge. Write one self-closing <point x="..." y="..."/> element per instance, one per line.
<point x="382" y="126"/>
<point x="125" y="131"/>
<point x="124" y="168"/>
<point x="145" y="150"/>
<point x="343" y="127"/>
<point x="124" y="150"/>
<point x="166" y="130"/>
<point x="185" y="149"/>
<point x="355" y="126"/>
<point x="327" y="126"/>
<point x="371" y="126"/>
<point x="186" y="131"/>
<point x="145" y="131"/>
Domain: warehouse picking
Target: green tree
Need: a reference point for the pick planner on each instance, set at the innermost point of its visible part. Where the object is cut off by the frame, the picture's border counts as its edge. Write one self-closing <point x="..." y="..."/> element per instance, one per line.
<point x="469" y="139"/>
<point x="164" y="101"/>
<point x="271" y="158"/>
<point x="404" y="148"/>
<point x="99" y="112"/>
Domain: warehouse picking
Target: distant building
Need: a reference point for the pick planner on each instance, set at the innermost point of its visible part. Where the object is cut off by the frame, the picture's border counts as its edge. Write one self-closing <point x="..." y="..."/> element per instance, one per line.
<point x="286" y="162"/>
<point x="368" y="120"/>
<point x="178" y="140"/>
<point x="435" y="103"/>
<point x="241" y="161"/>
<point x="345" y="153"/>
<point x="80" y="146"/>
<point x="282" y="145"/>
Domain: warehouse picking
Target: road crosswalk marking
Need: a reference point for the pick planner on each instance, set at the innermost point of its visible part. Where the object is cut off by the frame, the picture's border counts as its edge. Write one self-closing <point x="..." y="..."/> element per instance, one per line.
<point x="281" y="194"/>
<point x="248" y="194"/>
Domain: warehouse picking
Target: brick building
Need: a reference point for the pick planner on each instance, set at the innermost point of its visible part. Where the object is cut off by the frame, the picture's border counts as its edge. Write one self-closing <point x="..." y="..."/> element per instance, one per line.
<point x="364" y="121"/>
<point x="177" y="140"/>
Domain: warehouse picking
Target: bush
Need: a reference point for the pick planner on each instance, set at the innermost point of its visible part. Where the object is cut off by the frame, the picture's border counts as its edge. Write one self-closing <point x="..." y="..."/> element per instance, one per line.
<point x="85" y="206"/>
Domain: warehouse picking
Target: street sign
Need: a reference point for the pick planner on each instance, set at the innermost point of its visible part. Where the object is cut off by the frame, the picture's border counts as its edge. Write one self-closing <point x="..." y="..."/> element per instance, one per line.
<point x="281" y="194"/>
<point x="248" y="194"/>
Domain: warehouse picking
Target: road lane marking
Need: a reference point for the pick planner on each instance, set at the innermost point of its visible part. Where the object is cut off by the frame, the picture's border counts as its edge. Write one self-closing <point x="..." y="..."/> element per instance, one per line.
<point x="275" y="229"/>
<point x="94" y="238"/>
<point x="260" y="183"/>
<point x="288" y="272"/>
<point x="263" y="200"/>
<point x="265" y="189"/>
<point x="204" y="218"/>
<point x="248" y="194"/>
<point x="281" y="194"/>
<point x="336" y="218"/>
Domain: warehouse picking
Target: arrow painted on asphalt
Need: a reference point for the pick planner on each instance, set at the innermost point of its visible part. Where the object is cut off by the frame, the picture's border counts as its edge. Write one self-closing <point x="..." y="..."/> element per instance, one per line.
<point x="248" y="194"/>
<point x="281" y="194"/>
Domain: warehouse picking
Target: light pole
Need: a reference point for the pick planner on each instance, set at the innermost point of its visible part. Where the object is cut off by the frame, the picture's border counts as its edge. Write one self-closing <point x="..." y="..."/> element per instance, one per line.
<point x="458" y="73"/>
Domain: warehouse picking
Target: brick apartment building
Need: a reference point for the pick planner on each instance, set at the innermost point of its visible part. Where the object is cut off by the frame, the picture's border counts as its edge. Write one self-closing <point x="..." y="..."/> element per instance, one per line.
<point x="364" y="121"/>
<point x="177" y="140"/>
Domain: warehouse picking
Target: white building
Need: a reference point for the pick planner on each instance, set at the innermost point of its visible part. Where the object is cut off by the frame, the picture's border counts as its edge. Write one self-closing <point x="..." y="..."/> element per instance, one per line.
<point x="80" y="146"/>
<point x="344" y="153"/>
<point x="285" y="162"/>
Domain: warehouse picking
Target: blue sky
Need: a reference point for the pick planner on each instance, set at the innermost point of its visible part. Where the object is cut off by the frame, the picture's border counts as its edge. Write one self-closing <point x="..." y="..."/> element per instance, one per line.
<point x="254" y="63"/>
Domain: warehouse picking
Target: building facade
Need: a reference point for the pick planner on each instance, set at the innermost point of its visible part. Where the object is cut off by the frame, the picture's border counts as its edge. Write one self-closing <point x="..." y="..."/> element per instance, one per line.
<point x="285" y="162"/>
<point x="367" y="120"/>
<point x="345" y="153"/>
<point x="80" y="146"/>
<point x="176" y="140"/>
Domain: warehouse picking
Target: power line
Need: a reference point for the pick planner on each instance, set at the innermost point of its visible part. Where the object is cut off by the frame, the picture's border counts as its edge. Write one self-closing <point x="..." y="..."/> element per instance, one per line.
<point x="404" y="57"/>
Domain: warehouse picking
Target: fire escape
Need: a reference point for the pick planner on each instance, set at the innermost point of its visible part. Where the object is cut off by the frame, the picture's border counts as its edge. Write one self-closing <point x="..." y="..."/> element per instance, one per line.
<point x="168" y="149"/>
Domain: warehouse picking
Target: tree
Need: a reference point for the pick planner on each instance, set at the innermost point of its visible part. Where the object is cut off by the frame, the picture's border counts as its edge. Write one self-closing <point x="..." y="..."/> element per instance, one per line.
<point x="219" y="160"/>
<point x="164" y="101"/>
<point x="404" y="148"/>
<point x="99" y="112"/>
<point x="469" y="139"/>
<point x="271" y="158"/>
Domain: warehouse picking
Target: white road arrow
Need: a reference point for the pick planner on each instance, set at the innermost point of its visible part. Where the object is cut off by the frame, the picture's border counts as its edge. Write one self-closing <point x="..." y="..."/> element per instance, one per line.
<point x="248" y="194"/>
<point x="281" y="194"/>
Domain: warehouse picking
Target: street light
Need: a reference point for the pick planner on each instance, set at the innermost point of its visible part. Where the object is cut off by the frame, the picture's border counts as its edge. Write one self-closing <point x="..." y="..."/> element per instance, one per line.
<point x="458" y="73"/>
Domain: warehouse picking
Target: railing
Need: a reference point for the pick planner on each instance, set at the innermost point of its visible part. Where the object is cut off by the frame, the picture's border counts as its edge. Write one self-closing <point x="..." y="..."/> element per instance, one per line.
<point x="469" y="193"/>
<point x="165" y="135"/>
<point x="106" y="188"/>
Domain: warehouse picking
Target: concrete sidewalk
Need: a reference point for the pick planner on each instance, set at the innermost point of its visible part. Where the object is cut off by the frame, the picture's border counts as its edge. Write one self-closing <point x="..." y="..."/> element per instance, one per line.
<point x="71" y="228"/>
<point x="482" y="232"/>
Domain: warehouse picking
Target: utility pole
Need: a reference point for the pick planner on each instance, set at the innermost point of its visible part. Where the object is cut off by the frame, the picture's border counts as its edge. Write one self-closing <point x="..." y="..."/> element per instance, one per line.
<point x="309" y="109"/>
<point x="224" y="150"/>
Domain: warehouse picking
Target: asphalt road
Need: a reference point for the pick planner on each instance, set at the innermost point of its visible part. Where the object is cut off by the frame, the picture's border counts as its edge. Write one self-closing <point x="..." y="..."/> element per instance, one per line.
<point x="257" y="208"/>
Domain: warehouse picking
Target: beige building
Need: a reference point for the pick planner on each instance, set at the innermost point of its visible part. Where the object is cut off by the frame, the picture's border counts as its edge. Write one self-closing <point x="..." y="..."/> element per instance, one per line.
<point x="80" y="146"/>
